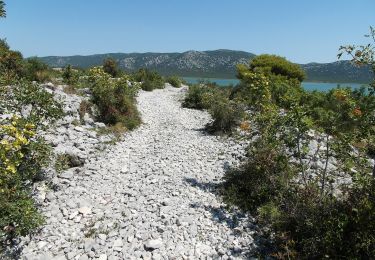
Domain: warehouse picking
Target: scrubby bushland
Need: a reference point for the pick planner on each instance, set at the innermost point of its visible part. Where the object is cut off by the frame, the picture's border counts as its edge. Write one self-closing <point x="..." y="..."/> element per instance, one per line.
<point x="115" y="99"/>
<point x="23" y="155"/>
<point x="311" y="213"/>
<point x="36" y="70"/>
<point x="13" y="67"/>
<point x="195" y="97"/>
<point x="26" y="108"/>
<point x="150" y="80"/>
<point x="36" y="104"/>
<point x="226" y="113"/>
<point x="175" y="81"/>
<point x="110" y="66"/>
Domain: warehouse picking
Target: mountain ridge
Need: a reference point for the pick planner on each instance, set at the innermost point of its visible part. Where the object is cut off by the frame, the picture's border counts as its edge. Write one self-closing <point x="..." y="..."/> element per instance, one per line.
<point x="219" y="63"/>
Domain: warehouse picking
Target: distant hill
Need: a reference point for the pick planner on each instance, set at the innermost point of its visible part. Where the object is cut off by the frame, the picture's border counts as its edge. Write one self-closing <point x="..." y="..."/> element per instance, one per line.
<point x="209" y="64"/>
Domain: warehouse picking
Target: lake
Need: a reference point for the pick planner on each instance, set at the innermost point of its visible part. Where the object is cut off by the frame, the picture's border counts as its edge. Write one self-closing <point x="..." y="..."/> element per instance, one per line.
<point x="321" y="86"/>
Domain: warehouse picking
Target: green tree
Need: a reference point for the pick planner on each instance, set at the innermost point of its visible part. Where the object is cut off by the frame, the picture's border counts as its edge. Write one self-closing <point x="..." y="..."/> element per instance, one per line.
<point x="70" y="77"/>
<point x="283" y="79"/>
<point x="11" y="63"/>
<point x="110" y="66"/>
<point x="273" y="64"/>
<point x="2" y="9"/>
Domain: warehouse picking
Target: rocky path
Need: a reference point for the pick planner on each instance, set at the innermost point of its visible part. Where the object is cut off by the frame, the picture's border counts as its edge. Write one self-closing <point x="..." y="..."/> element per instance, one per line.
<point x="150" y="196"/>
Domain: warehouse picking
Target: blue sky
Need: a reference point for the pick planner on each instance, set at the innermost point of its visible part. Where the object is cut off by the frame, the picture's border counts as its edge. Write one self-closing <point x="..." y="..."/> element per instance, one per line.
<point x="300" y="30"/>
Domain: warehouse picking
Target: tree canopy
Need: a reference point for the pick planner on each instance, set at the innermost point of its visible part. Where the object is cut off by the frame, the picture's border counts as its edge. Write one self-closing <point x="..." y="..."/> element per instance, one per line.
<point x="273" y="65"/>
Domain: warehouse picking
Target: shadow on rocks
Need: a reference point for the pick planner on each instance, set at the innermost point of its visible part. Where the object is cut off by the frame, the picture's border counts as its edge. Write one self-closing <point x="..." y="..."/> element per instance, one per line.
<point x="238" y="221"/>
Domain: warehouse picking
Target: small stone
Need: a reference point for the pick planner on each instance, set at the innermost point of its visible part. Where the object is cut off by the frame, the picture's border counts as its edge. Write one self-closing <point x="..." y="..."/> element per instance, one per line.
<point x="42" y="244"/>
<point x="153" y="244"/>
<point x="68" y="174"/>
<point x="117" y="243"/>
<point x="78" y="219"/>
<point x="83" y="257"/>
<point x="102" y="237"/>
<point x="73" y="215"/>
<point x="84" y="210"/>
<point x="103" y="257"/>
<point x="146" y="256"/>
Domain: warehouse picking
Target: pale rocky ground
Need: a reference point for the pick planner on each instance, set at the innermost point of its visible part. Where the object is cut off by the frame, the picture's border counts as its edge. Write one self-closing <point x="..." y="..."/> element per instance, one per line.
<point x="149" y="196"/>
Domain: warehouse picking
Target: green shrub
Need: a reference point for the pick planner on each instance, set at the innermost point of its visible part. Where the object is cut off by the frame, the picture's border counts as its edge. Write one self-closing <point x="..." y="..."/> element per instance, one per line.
<point x="115" y="99"/>
<point x="22" y="157"/>
<point x="70" y="76"/>
<point x="226" y="115"/>
<point x="11" y="64"/>
<point x="273" y="65"/>
<point x="110" y="66"/>
<point x="312" y="216"/>
<point x="281" y="77"/>
<point x="262" y="180"/>
<point x="195" y="97"/>
<point x="175" y="81"/>
<point x="150" y="79"/>
<point x="149" y="85"/>
<point x="44" y="108"/>
<point x="36" y="70"/>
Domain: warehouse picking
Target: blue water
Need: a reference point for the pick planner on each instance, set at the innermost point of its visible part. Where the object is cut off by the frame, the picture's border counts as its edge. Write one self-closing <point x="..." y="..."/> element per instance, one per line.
<point x="306" y="85"/>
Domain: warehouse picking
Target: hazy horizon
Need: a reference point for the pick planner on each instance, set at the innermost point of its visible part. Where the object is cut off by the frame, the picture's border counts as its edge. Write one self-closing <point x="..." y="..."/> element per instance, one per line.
<point x="154" y="52"/>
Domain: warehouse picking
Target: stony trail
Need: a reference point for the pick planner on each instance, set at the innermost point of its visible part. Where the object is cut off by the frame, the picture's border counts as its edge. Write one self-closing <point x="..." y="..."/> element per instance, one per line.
<point x="149" y="196"/>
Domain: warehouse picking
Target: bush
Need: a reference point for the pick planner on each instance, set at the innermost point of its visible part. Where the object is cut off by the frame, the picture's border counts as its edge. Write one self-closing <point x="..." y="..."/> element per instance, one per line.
<point x="36" y="70"/>
<point x="260" y="181"/>
<point x="70" y="76"/>
<point x="174" y="81"/>
<point x="11" y="64"/>
<point x="281" y="77"/>
<point x="150" y="79"/>
<point x="110" y="66"/>
<point x="311" y="214"/>
<point x="226" y="114"/>
<point x="195" y="97"/>
<point x="274" y="65"/>
<point x="115" y="99"/>
<point x="22" y="157"/>
<point x="43" y="108"/>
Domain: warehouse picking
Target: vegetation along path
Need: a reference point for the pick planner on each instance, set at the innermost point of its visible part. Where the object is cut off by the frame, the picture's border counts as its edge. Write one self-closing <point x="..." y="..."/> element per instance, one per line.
<point x="149" y="196"/>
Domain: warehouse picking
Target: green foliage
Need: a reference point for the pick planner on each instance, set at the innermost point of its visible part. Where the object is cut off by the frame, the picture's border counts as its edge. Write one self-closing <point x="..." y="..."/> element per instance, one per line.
<point x="22" y="157"/>
<point x="311" y="214"/>
<point x="115" y="99"/>
<point x="195" y="97"/>
<point x="2" y="9"/>
<point x="281" y="77"/>
<point x="226" y="113"/>
<point x="44" y="108"/>
<point x="11" y="64"/>
<point x="260" y="181"/>
<point x="150" y="80"/>
<point x="274" y="65"/>
<point x="36" y="70"/>
<point x="70" y="76"/>
<point x="175" y="81"/>
<point x="110" y="66"/>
